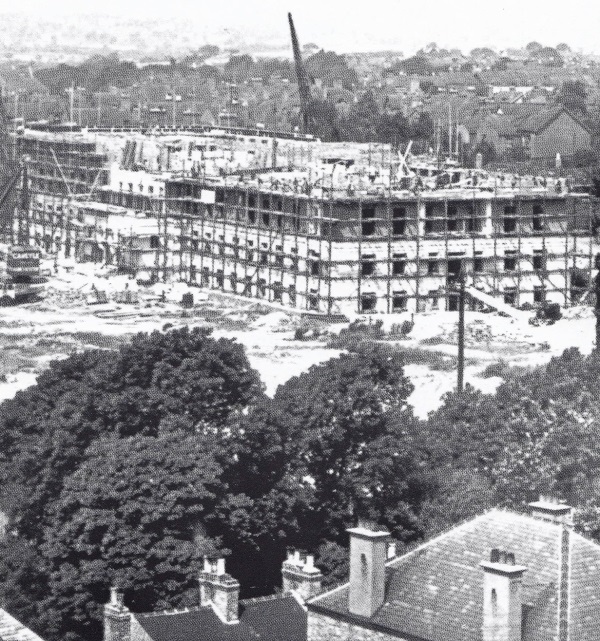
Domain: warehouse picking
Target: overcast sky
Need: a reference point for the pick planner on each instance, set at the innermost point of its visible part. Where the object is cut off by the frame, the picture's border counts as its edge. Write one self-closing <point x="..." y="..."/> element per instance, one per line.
<point x="347" y="25"/>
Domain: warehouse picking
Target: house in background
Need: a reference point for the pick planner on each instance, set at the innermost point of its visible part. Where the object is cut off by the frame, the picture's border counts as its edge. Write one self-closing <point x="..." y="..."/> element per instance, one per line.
<point x="221" y="616"/>
<point x="534" y="131"/>
<point x="500" y="577"/>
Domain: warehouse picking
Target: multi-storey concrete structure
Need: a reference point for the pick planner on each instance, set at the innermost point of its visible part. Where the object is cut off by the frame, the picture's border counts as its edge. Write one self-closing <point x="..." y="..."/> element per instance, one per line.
<point x="332" y="235"/>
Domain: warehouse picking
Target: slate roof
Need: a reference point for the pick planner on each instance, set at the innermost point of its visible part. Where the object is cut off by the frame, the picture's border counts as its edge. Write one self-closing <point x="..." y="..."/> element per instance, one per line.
<point x="435" y="592"/>
<point x="13" y="630"/>
<point x="278" y="618"/>
<point x="527" y="118"/>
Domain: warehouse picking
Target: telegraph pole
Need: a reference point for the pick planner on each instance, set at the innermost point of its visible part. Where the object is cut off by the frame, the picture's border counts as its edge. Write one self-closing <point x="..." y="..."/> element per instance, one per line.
<point x="597" y="309"/>
<point x="461" y="332"/>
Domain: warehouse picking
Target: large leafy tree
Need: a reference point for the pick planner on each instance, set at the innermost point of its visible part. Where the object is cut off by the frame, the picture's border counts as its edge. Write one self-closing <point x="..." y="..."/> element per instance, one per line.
<point x="132" y="515"/>
<point x="139" y="390"/>
<point x="326" y="432"/>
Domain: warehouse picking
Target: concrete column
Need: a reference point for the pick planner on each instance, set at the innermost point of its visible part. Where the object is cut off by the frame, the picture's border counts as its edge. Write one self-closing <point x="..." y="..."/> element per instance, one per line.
<point x="488" y="228"/>
<point x="421" y="219"/>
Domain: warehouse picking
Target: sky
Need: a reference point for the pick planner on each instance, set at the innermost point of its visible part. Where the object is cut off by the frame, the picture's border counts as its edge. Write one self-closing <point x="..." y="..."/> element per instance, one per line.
<point x="367" y="25"/>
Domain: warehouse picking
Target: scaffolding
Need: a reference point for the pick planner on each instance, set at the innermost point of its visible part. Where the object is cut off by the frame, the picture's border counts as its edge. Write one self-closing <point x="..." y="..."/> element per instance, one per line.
<point x="326" y="249"/>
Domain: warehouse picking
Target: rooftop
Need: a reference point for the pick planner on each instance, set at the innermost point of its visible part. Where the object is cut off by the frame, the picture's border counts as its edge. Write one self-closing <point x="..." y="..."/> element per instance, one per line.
<point x="435" y="592"/>
<point x="277" y="618"/>
<point x="13" y="630"/>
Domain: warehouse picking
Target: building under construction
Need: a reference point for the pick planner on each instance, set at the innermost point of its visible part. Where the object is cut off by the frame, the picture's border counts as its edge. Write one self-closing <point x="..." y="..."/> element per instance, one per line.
<point x="315" y="226"/>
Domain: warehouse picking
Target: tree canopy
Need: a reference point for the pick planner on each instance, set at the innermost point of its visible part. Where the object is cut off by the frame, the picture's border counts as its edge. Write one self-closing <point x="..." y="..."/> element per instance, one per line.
<point x="125" y="467"/>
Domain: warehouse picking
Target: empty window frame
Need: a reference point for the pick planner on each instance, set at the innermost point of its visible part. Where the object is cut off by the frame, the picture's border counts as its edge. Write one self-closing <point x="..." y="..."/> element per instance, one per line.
<point x="368" y="302"/>
<point x="399" y="221"/>
<point x="368" y="222"/>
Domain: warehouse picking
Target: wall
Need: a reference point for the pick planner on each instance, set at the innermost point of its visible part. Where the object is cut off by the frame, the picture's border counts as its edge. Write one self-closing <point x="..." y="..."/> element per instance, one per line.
<point x="564" y="135"/>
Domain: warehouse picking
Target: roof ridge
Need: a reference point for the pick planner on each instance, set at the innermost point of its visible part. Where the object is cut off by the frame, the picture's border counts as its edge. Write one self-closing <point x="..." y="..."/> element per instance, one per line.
<point x="161" y="613"/>
<point x="270" y="597"/>
<point x="421" y="545"/>
<point x="586" y="539"/>
<point x="444" y="533"/>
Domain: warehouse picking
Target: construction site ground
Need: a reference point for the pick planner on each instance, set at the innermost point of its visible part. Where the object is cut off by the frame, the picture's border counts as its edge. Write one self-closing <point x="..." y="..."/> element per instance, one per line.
<point x="67" y="321"/>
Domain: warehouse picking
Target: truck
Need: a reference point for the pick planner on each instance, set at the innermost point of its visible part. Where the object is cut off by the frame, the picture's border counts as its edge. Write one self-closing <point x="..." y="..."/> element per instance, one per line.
<point x="21" y="279"/>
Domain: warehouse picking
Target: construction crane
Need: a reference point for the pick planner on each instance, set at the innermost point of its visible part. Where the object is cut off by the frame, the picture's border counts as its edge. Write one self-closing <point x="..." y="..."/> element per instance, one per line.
<point x="303" y="84"/>
<point x="10" y="173"/>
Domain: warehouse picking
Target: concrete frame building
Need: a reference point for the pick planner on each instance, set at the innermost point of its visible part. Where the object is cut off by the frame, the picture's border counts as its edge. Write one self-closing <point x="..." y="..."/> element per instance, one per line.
<point x="287" y="238"/>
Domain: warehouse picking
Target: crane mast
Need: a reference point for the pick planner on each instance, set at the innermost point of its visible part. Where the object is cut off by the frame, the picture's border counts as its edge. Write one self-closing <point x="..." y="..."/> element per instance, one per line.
<point x="303" y="85"/>
<point x="10" y="172"/>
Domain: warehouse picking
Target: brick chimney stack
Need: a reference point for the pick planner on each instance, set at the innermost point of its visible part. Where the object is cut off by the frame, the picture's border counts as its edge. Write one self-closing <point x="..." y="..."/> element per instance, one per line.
<point x="220" y="590"/>
<point x="551" y="510"/>
<point x="368" y="551"/>
<point x="117" y="618"/>
<point x="502" y="597"/>
<point x="301" y="576"/>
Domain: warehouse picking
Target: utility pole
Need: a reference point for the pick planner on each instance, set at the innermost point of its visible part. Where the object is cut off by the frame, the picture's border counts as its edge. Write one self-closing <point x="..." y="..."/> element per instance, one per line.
<point x="71" y="91"/>
<point x="461" y="332"/>
<point x="597" y="310"/>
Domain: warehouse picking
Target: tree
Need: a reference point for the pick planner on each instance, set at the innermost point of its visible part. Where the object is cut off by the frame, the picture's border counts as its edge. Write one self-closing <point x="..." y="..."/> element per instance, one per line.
<point x="239" y="68"/>
<point x="331" y="67"/>
<point x="423" y="128"/>
<point x="338" y="440"/>
<point x="418" y="65"/>
<point x="131" y="515"/>
<point x="325" y="124"/>
<point x="393" y="128"/>
<point x="360" y="126"/>
<point x="573" y="95"/>
<point x="533" y="47"/>
<point x="45" y="430"/>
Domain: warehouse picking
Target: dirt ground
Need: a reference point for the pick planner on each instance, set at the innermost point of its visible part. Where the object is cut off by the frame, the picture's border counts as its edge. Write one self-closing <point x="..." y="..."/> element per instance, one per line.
<point x="64" y="322"/>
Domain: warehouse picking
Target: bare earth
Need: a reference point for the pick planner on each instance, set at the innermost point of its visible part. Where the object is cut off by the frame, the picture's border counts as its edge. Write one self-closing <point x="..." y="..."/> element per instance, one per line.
<point x="34" y="334"/>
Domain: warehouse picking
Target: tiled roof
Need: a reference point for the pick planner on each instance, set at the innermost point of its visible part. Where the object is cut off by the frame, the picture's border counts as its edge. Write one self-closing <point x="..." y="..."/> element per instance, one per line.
<point x="197" y="625"/>
<point x="436" y="591"/>
<point x="13" y="630"/>
<point x="280" y="618"/>
<point x="275" y="619"/>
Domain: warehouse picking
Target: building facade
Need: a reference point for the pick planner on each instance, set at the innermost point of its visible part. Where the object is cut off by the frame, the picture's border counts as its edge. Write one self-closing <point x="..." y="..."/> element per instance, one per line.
<point x="283" y="235"/>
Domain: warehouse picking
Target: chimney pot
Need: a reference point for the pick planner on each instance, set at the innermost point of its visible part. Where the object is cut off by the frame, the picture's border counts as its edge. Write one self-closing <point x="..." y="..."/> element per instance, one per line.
<point x="303" y="578"/>
<point x="550" y="510"/>
<point x="495" y="555"/>
<point x="207" y="565"/>
<point x="116" y="597"/>
<point x="297" y="560"/>
<point x="391" y="550"/>
<point x="220" y="566"/>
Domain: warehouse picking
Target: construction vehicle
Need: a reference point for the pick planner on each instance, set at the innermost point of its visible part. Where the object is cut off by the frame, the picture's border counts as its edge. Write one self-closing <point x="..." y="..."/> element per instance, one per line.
<point x="21" y="279"/>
